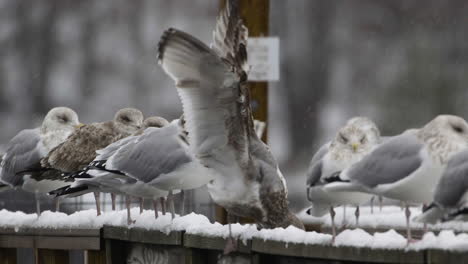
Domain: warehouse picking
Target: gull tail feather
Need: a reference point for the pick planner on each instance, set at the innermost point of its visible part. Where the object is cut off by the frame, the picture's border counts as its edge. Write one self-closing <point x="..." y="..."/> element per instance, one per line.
<point x="343" y="187"/>
<point x="69" y="191"/>
<point x="431" y="215"/>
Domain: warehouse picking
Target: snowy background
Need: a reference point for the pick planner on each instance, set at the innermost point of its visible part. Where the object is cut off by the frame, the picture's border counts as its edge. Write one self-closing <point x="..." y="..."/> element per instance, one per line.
<point x="398" y="62"/>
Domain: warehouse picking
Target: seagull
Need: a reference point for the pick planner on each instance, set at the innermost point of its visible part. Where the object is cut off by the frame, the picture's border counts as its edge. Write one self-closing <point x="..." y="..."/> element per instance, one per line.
<point x="407" y="167"/>
<point x="450" y="194"/>
<point x="161" y="158"/>
<point x="79" y="149"/>
<point x="212" y="85"/>
<point x="96" y="178"/>
<point x="353" y="141"/>
<point x="20" y="166"/>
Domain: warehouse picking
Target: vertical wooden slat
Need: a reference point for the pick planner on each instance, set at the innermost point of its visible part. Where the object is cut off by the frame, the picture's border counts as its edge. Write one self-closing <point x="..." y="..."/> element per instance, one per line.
<point x="8" y="255"/>
<point x="51" y="256"/>
<point x="95" y="257"/>
<point x="255" y="14"/>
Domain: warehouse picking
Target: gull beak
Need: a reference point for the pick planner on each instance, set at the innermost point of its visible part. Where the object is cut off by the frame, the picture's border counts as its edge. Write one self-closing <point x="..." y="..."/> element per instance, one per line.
<point x="355" y="146"/>
<point x="79" y="125"/>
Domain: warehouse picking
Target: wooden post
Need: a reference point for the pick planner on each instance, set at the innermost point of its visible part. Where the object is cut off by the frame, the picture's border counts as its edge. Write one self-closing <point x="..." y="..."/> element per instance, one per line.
<point x="51" y="256"/>
<point x="255" y="14"/>
<point x="8" y="255"/>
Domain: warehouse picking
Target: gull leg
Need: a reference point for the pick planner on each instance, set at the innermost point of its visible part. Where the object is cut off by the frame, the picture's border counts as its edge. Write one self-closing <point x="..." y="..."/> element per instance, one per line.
<point x="141" y="204"/>
<point x="162" y="200"/>
<point x="372" y="205"/>
<point x="155" y="207"/>
<point x="332" y="215"/>
<point x="344" y="222"/>
<point x="408" y="229"/>
<point x="231" y="243"/>
<point x="113" y="196"/>
<point x="182" y="202"/>
<point x="170" y="198"/>
<point x="57" y="204"/>
<point x="38" y="204"/>
<point x="127" y="203"/>
<point x="425" y="224"/>
<point x="356" y="214"/>
<point x="98" y="203"/>
<point x="380" y="203"/>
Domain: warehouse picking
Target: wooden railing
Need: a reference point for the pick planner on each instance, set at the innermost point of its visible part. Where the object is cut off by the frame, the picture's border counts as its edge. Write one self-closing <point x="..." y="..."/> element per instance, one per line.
<point x="113" y="245"/>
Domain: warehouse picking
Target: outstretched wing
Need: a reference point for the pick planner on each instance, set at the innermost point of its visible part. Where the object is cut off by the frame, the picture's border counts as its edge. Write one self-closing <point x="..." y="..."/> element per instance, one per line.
<point x="23" y="153"/>
<point x="212" y="86"/>
<point x="158" y="151"/>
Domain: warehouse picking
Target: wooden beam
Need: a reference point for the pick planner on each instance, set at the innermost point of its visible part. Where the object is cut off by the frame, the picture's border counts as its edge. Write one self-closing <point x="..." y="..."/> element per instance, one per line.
<point x="255" y="14"/>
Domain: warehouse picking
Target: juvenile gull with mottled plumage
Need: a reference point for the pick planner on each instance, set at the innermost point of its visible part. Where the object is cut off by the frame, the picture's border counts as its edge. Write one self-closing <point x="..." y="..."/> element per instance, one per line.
<point x="212" y="85"/>
<point x="20" y="166"/>
<point x="408" y="167"/>
<point x="80" y="148"/>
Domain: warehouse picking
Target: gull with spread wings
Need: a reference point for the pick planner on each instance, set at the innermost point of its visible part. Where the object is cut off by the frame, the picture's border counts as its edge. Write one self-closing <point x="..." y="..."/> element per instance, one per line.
<point x="212" y="85"/>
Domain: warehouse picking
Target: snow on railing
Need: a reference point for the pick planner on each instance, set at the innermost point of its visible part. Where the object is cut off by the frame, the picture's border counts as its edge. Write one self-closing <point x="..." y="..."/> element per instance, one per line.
<point x="107" y="239"/>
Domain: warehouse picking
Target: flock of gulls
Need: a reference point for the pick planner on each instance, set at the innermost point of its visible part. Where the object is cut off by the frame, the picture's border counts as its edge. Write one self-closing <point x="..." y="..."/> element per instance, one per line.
<point x="426" y="166"/>
<point x="215" y="143"/>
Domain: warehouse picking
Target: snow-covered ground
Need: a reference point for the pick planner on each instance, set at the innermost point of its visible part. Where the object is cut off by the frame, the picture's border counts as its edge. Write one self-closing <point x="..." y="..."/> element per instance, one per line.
<point x="199" y="224"/>
<point x="389" y="217"/>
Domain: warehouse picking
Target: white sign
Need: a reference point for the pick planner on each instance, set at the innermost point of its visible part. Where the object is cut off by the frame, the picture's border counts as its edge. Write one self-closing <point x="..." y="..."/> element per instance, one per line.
<point x="263" y="58"/>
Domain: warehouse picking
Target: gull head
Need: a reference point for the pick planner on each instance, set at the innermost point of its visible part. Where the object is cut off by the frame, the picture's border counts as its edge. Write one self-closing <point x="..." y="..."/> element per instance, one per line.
<point x="445" y="135"/>
<point x="128" y="120"/>
<point x="359" y="135"/>
<point x="155" y="121"/>
<point x="60" y="118"/>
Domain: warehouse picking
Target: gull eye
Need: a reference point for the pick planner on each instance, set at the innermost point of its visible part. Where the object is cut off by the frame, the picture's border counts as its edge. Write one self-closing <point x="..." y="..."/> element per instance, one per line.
<point x="125" y="118"/>
<point x="343" y="138"/>
<point x="363" y="140"/>
<point x="458" y="129"/>
<point x="63" y="119"/>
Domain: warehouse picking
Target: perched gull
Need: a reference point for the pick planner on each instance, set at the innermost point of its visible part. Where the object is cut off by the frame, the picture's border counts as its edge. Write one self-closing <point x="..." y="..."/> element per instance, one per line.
<point x="21" y="162"/>
<point x="450" y="194"/>
<point x="161" y="159"/>
<point x="80" y="148"/>
<point x="408" y="167"/>
<point x="352" y="142"/>
<point x="96" y="178"/>
<point x="212" y="85"/>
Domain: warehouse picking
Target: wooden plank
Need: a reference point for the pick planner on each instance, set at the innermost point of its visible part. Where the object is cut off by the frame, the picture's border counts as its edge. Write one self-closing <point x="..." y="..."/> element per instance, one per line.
<point x="49" y="256"/>
<point x="12" y="241"/>
<point x="338" y="253"/>
<point x="438" y="256"/>
<point x="29" y="231"/>
<point x="95" y="257"/>
<point x="8" y="255"/>
<point x="143" y="235"/>
<point x="213" y="243"/>
<point x="93" y="243"/>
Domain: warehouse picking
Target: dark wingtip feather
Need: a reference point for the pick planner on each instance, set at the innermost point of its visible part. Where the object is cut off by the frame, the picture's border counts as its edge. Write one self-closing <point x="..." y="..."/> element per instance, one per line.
<point x="163" y="42"/>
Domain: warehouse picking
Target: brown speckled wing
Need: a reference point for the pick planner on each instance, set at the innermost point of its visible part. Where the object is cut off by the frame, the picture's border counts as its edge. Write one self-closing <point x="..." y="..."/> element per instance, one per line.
<point x="80" y="148"/>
